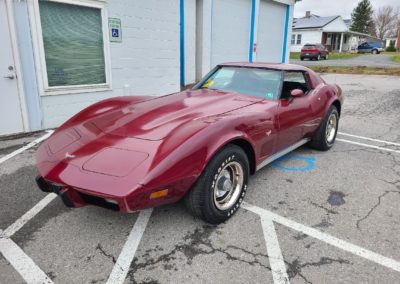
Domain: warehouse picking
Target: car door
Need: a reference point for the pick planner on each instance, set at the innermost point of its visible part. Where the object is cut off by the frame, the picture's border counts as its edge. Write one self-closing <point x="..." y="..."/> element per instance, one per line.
<point x="294" y="114"/>
<point x="362" y="47"/>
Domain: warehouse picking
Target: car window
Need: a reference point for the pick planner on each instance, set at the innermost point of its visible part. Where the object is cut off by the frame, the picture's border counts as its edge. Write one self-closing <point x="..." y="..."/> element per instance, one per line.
<point x="258" y="82"/>
<point x="293" y="80"/>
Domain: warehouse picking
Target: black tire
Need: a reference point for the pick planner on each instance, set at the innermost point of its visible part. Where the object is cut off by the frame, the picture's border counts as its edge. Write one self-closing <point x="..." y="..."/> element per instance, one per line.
<point x="320" y="141"/>
<point x="374" y="51"/>
<point x="318" y="58"/>
<point x="302" y="58"/>
<point x="201" y="202"/>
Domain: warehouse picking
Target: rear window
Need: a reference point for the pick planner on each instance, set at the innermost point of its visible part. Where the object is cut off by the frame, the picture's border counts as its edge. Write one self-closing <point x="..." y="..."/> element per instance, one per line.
<point x="309" y="46"/>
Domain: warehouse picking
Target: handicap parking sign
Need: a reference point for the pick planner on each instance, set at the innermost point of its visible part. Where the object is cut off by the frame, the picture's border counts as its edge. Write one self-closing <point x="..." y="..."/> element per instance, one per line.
<point x="114" y="26"/>
<point x="114" y="32"/>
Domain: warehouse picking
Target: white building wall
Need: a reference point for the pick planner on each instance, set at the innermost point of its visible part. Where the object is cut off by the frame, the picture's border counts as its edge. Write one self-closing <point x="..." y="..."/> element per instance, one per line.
<point x="146" y="62"/>
<point x="307" y="36"/>
<point x="190" y="41"/>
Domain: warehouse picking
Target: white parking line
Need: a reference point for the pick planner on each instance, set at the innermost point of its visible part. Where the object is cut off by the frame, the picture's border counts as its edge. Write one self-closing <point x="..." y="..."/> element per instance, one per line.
<point x="367" y="145"/>
<point x="121" y="267"/>
<point x="346" y="246"/>
<point x="13" y="228"/>
<point x="22" y="263"/>
<point x="30" y="145"/>
<point x="275" y="257"/>
<point x="370" y="139"/>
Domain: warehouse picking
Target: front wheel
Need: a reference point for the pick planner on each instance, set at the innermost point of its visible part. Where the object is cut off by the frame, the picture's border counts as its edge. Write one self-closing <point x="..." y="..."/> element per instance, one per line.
<point x="220" y="189"/>
<point x="374" y="51"/>
<point x="325" y="136"/>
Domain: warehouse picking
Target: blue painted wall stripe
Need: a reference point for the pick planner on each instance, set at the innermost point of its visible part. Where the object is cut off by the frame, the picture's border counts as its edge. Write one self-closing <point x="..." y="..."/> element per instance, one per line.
<point x="285" y="34"/>
<point x="253" y="14"/>
<point x="182" y="41"/>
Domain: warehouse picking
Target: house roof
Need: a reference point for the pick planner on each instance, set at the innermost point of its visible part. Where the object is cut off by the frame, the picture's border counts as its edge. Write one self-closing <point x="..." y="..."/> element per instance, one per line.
<point x="347" y="22"/>
<point x="313" y="21"/>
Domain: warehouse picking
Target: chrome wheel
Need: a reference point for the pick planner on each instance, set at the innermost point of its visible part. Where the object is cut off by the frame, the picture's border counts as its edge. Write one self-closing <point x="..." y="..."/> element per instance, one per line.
<point x="228" y="185"/>
<point x="331" y="128"/>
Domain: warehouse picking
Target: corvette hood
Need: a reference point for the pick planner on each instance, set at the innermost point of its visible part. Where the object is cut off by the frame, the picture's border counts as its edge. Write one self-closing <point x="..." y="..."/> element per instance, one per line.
<point x="156" y="119"/>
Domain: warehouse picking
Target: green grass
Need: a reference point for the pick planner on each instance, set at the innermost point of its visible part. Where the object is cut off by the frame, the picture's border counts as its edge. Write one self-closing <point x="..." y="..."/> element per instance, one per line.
<point x="296" y="55"/>
<point x="391" y="52"/>
<point x="396" y="58"/>
<point x="356" y="70"/>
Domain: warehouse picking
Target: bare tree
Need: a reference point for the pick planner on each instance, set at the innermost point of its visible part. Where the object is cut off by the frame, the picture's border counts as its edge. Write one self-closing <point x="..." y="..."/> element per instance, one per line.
<point x="386" y="19"/>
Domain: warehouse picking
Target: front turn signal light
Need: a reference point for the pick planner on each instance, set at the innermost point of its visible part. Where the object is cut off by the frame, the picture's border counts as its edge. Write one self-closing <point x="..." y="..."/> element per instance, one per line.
<point x="158" y="194"/>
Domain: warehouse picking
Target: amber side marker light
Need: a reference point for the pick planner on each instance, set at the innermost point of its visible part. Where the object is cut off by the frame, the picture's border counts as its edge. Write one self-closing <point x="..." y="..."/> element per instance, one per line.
<point x="158" y="194"/>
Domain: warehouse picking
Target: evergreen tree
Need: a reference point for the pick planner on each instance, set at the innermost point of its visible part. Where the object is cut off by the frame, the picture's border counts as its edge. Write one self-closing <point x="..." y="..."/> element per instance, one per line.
<point x="361" y="17"/>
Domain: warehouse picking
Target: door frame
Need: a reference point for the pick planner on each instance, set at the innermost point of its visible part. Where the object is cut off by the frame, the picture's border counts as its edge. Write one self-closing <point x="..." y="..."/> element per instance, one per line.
<point x="17" y="64"/>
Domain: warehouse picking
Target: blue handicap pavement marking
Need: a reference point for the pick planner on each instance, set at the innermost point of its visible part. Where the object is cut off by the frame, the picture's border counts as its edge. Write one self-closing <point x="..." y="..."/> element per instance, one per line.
<point x="310" y="163"/>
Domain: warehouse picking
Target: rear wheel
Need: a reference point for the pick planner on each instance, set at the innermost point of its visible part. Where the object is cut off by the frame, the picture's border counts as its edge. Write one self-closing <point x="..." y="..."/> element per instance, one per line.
<point x="325" y="136"/>
<point x="318" y="57"/>
<point x="302" y="58"/>
<point x="220" y="189"/>
<point x="374" y="51"/>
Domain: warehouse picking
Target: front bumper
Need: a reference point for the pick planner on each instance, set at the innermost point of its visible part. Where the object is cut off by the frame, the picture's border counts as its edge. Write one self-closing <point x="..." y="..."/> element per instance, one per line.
<point x="76" y="197"/>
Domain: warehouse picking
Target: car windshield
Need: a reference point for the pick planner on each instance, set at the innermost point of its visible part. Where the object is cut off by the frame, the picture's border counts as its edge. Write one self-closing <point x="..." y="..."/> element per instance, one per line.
<point x="258" y="82"/>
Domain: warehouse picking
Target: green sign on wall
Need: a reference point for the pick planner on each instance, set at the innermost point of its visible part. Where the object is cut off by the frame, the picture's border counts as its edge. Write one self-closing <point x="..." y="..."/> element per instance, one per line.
<point x="115" y="31"/>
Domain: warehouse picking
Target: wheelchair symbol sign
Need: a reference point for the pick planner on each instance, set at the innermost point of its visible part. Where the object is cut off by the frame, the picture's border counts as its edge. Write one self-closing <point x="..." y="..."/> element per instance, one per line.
<point x="114" y="32"/>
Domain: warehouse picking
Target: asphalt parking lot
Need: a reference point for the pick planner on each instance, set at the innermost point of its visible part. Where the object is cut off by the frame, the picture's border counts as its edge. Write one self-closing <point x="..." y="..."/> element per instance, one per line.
<point x="370" y="60"/>
<point x="313" y="217"/>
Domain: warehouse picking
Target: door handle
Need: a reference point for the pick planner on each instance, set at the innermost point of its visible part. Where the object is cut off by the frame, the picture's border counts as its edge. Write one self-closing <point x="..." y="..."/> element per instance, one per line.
<point x="10" y="76"/>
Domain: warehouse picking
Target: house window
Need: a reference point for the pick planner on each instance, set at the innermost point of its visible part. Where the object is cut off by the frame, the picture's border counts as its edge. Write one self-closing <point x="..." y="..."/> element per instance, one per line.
<point x="298" y="39"/>
<point x="73" y="48"/>
<point x="293" y="41"/>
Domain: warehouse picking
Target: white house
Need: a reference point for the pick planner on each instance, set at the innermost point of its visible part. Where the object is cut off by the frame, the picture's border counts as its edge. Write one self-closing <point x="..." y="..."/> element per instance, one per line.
<point x="332" y="31"/>
<point x="59" y="56"/>
<point x="395" y="39"/>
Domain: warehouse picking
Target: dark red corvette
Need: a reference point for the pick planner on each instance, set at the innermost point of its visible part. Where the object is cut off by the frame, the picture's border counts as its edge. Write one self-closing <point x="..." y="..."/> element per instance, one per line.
<point x="130" y="153"/>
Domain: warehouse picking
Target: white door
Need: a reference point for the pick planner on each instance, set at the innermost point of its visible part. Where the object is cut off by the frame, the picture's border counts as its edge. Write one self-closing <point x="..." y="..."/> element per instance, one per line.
<point x="10" y="106"/>
<point x="271" y="30"/>
<point x="230" y="31"/>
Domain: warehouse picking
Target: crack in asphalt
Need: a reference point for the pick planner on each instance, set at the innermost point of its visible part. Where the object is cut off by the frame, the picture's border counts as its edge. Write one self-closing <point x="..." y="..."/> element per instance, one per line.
<point x="103" y="252"/>
<point x="395" y="183"/>
<point x="198" y="243"/>
<point x="295" y="267"/>
<point x="325" y="222"/>
<point x="375" y="206"/>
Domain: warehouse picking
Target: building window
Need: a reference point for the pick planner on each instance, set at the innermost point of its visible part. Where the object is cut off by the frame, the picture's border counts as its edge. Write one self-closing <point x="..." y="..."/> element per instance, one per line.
<point x="298" y="39"/>
<point x="73" y="48"/>
<point x="293" y="41"/>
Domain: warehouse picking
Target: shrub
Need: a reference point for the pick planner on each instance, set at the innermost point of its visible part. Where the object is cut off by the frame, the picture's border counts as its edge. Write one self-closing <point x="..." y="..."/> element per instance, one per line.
<point x="391" y="46"/>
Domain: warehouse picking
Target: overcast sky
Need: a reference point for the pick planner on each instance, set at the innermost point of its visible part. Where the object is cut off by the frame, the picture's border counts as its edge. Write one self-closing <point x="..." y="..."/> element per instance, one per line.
<point x="336" y="7"/>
